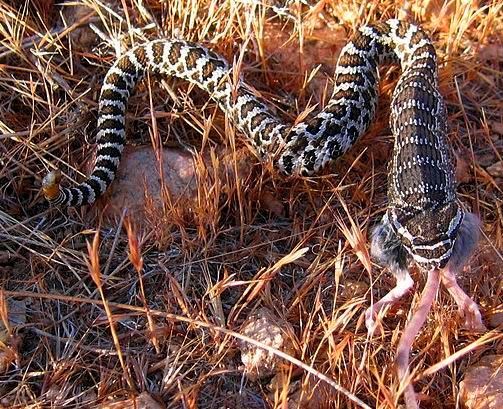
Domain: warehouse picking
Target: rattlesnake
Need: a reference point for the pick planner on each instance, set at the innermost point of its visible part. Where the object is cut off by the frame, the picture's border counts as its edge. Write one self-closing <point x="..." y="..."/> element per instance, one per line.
<point x="423" y="215"/>
<point x="424" y="220"/>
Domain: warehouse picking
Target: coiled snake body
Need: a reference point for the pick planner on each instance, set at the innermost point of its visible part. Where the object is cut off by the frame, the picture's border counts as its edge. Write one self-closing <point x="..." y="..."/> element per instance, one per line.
<point x="422" y="210"/>
<point x="423" y="222"/>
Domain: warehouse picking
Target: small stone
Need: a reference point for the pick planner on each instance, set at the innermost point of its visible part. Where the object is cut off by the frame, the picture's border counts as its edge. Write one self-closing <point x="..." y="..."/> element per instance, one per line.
<point x="264" y="326"/>
<point x="349" y="289"/>
<point x="311" y="394"/>
<point x="496" y="127"/>
<point x="482" y="386"/>
<point x="492" y="52"/>
<point x="138" y="186"/>
<point x="496" y="169"/>
<point x="272" y="204"/>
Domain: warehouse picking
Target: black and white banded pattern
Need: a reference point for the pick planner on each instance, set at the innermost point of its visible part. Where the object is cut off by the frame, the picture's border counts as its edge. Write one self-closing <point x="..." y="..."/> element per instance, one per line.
<point x="423" y="212"/>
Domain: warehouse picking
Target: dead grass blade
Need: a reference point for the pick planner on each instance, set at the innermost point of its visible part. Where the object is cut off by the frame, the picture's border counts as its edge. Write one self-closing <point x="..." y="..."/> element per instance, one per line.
<point x="174" y="317"/>
<point x="94" y="269"/>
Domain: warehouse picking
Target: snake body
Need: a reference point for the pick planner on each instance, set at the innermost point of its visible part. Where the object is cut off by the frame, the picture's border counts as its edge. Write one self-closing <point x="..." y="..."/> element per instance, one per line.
<point x="423" y="215"/>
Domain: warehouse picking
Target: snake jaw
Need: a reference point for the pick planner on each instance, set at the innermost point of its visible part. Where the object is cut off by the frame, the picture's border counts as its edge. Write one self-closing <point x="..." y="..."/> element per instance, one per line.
<point x="428" y="234"/>
<point x="50" y="185"/>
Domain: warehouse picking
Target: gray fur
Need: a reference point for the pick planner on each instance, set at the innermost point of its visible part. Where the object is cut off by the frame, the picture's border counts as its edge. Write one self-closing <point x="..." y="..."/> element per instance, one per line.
<point x="386" y="247"/>
<point x="466" y="241"/>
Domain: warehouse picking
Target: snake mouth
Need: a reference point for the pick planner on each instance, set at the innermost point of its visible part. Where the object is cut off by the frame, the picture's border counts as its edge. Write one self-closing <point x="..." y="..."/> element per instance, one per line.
<point x="431" y="256"/>
<point x="428" y="235"/>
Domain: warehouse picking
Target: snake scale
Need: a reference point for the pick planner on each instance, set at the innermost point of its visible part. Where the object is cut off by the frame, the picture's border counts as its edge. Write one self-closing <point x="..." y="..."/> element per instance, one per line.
<point x="423" y="215"/>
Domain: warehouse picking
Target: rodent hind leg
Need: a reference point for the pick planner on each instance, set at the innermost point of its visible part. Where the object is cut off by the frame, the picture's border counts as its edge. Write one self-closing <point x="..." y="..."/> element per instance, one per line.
<point x="464" y="246"/>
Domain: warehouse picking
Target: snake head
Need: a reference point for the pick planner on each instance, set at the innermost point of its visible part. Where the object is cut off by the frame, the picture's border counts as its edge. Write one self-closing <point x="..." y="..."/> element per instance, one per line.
<point x="428" y="234"/>
<point x="432" y="238"/>
<point x="50" y="185"/>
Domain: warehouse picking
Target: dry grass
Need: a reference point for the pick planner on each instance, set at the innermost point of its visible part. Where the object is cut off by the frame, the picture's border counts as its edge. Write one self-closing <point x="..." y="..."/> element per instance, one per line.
<point x="158" y="309"/>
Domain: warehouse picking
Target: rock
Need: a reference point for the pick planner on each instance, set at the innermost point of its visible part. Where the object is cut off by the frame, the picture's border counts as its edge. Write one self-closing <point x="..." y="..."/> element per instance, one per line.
<point x="138" y="179"/>
<point x="482" y="386"/>
<point x="492" y="52"/>
<point x="463" y="173"/>
<point x="271" y="203"/>
<point x="311" y="394"/>
<point x="137" y="186"/>
<point x="496" y="127"/>
<point x="350" y="289"/>
<point x="264" y="326"/>
<point x="496" y="169"/>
